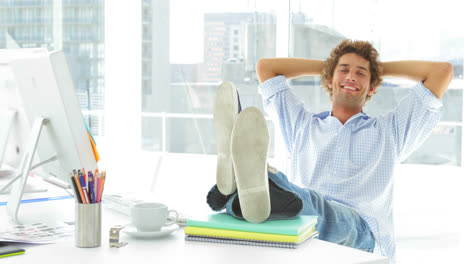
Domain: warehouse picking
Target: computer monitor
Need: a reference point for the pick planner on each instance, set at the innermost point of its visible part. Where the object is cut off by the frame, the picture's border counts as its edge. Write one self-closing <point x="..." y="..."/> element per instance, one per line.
<point x="58" y="133"/>
<point x="14" y="125"/>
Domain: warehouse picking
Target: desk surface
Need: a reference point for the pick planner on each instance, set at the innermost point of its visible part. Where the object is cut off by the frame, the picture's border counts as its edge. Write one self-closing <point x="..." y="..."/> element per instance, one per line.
<point x="172" y="248"/>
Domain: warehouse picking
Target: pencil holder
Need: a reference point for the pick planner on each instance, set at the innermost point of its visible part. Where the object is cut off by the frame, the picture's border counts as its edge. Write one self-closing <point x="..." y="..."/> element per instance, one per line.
<point x="87" y="225"/>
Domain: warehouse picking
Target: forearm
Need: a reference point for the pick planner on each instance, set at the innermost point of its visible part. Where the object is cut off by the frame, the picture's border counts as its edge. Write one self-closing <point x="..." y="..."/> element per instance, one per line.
<point x="436" y="76"/>
<point x="289" y="67"/>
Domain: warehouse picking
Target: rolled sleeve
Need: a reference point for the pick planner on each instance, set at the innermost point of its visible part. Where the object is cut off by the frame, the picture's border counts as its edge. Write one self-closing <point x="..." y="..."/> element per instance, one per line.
<point x="427" y="97"/>
<point x="273" y="86"/>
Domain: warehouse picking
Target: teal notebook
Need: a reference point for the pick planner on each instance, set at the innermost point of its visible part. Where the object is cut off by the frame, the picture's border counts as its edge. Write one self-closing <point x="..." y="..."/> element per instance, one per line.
<point x="291" y="227"/>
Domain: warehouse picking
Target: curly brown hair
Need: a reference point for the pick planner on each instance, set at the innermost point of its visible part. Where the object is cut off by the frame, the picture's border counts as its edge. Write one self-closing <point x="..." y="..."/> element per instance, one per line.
<point x="361" y="48"/>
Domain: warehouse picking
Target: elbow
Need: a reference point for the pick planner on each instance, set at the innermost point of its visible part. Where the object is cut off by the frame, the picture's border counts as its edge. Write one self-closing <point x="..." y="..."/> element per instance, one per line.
<point x="445" y="70"/>
<point x="260" y="68"/>
<point x="449" y="70"/>
<point x="264" y="69"/>
<point x="260" y="65"/>
<point x="439" y="80"/>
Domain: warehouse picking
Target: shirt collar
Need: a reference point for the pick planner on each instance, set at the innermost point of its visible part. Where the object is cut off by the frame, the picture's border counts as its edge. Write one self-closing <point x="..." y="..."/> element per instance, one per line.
<point x="356" y="116"/>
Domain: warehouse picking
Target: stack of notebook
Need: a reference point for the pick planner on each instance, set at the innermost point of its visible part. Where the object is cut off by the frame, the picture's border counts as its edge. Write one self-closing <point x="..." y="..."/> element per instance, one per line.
<point x="223" y="228"/>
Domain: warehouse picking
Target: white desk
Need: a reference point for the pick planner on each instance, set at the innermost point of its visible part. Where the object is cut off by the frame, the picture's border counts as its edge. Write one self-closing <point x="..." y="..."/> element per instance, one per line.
<point x="171" y="249"/>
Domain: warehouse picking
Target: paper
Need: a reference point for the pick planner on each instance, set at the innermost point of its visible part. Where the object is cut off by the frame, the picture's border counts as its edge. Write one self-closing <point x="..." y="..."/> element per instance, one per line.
<point x="37" y="233"/>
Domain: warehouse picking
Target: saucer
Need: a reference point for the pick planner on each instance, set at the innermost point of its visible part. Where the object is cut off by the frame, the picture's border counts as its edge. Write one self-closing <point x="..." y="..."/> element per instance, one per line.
<point x="165" y="230"/>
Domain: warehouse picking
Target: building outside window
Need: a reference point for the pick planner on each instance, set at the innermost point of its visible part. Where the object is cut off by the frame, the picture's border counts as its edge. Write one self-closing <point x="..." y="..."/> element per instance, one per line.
<point x="73" y="26"/>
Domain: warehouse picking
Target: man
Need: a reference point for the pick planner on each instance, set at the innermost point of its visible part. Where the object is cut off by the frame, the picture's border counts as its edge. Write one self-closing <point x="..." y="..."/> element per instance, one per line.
<point x="343" y="158"/>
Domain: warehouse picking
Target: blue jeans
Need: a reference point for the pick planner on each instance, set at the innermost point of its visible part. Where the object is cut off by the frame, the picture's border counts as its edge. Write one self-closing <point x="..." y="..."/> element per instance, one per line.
<point x="337" y="223"/>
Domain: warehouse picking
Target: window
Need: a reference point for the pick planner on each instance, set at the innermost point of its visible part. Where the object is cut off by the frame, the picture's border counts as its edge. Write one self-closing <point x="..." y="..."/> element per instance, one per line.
<point x="198" y="66"/>
<point x="34" y="25"/>
<point x="181" y="64"/>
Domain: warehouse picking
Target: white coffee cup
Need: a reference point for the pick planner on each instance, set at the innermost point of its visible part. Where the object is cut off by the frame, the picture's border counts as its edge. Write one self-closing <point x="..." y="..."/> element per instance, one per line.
<point x="150" y="217"/>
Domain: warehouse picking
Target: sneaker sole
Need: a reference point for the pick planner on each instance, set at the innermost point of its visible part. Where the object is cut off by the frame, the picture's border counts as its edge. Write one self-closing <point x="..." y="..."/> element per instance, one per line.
<point x="224" y="114"/>
<point x="249" y="147"/>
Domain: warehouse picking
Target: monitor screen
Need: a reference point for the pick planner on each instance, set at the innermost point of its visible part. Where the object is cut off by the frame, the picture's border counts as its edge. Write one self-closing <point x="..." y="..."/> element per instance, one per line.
<point x="58" y="131"/>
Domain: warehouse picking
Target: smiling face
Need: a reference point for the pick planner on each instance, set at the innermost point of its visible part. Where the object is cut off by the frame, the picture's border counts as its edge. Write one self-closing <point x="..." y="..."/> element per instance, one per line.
<point x="351" y="82"/>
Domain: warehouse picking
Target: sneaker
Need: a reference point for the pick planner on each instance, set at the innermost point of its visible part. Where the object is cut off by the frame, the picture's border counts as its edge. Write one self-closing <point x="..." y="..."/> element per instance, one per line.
<point x="226" y="109"/>
<point x="249" y="147"/>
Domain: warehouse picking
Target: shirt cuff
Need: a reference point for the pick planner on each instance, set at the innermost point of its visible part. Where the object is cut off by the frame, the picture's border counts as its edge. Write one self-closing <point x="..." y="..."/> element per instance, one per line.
<point x="427" y="97"/>
<point x="273" y="86"/>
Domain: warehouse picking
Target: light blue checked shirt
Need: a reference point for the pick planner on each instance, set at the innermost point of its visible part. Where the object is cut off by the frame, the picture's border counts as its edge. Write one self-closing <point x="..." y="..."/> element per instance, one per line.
<point x="353" y="163"/>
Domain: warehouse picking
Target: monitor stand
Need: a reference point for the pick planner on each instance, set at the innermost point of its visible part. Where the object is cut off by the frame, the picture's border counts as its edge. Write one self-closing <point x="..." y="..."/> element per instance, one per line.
<point x="14" y="199"/>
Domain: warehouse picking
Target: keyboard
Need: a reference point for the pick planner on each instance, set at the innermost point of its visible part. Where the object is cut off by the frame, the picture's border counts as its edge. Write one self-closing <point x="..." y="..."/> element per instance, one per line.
<point x="119" y="203"/>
